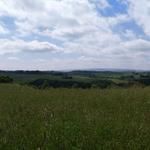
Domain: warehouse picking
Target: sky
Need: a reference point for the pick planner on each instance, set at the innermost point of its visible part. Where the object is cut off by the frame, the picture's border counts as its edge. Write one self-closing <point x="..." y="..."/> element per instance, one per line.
<point x="74" y="34"/>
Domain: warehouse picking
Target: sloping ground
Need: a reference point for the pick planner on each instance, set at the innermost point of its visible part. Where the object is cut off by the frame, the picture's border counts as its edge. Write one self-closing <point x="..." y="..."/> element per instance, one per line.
<point x="74" y="119"/>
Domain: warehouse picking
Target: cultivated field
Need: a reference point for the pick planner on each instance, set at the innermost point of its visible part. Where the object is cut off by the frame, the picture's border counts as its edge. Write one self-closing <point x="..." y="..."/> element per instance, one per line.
<point x="74" y="119"/>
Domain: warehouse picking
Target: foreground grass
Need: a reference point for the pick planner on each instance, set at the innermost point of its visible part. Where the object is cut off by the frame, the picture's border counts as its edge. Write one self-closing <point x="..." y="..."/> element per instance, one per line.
<point x="74" y="119"/>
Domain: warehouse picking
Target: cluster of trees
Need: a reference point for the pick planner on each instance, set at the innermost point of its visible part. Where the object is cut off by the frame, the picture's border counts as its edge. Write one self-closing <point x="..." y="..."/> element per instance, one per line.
<point x="6" y="79"/>
<point x="45" y="83"/>
<point x="143" y="81"/>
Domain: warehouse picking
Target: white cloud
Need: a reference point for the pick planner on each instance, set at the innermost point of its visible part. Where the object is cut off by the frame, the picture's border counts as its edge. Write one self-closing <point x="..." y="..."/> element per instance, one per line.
<point x="3" y="30"/>
<point x="129" y="35"/>
<point x="104" y="4"/>
<point x="65" y="20"/>
<point x="139" y="10"/>
<point x="15" y="46"/>
<point x="13" y="58"/>
<point x="79" y="27"/>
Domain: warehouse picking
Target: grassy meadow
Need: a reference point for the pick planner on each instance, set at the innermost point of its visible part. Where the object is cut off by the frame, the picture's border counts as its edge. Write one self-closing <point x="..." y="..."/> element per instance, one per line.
<point x="74" y="119"/>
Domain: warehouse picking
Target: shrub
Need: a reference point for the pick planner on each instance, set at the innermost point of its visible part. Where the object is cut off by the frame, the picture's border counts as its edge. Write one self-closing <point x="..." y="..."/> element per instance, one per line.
<point x="5" y="79"/>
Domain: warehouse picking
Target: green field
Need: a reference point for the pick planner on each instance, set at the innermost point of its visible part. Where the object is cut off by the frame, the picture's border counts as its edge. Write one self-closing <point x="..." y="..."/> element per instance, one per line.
<point x="74" y="119"/>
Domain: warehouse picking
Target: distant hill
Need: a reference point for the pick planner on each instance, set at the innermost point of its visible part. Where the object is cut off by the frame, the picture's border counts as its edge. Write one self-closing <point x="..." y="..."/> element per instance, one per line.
<point x="77" y="70"/>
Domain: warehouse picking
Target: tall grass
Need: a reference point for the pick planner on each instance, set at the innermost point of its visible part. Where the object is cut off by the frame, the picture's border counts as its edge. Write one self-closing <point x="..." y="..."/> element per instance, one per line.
<point x="74" y="119"/>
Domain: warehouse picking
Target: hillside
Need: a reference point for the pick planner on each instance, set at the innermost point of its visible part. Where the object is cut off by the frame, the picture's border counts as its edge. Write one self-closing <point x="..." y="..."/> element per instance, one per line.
<point x="76" y="79"/>
<point x="74" y="119"/>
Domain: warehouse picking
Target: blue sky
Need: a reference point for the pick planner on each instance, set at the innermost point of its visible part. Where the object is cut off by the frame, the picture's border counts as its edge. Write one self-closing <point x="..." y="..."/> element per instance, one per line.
<point x="74" y="34"/>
